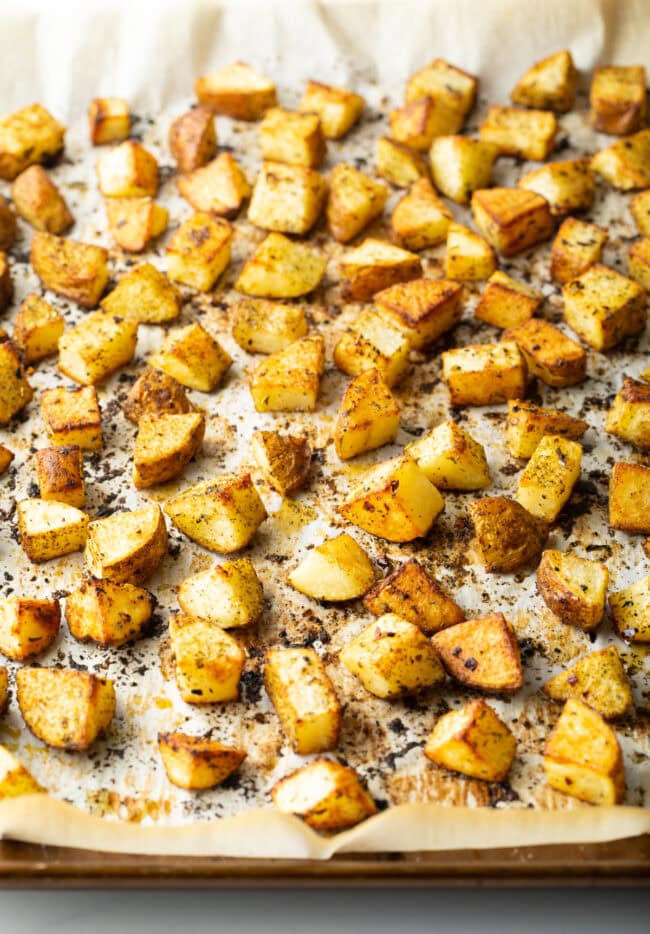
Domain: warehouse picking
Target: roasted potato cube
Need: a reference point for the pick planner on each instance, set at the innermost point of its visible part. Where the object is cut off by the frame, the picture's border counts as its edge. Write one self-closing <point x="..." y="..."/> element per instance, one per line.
<point x="261" y="326"/>
<point x="618" y="99"/>
<point x="506" y="303"/>
<point x="548" y="478"/>
<point x="237" y="91"/>
<point x="220" y="187"/>
<point x="193" y="358"/>
<point x="155" y="393"/>
<point x="603" y="307"/>
<point x="229" y="595"/>
<point x="209" y="662"/>
<point x="73" y="416"/>
<point x="398" y="164"/>
<point x="6" y="457"/>
<point x="640" y="209"/>
<point x="193" y="139"/>
<point x="415" y="123"/>
<point x="582" y="756"/>
<point x="573" y="588"/>
<point x="338" y="569"/>
<point x="15" y="780"/>
<point x="6" y="283"/>
<point x="451" y="458"/>
<point x="108" y="613"/>
<point x="629" y="415"/>
<point x="482" y="653"/>
<point x="420" y="219"/>
<point x="630" y="609"/>
<point x="453" y="92"/>
<point x="629" y="498"/>
<point x="49" y="529"/>
<point x="598" y="680"/>
<point x="135" y="222"/>
<point x="288" y="380"/>
<point x="288" y="198"/>
<point x="473" y="741"/>
<point x="292" y="137"/>
<point x="39" y="202"/>
<point x="507" y="536"/>
<point x="78" y="271"/>
<point x="325" y="794"/>
<point x="527" y="423"/>
<point x="109" y="120"/>
<point x="460" y="165"/>
<point x="28" y="136"/>
<point x="165" y="444"/>
<point x="529" y="134"/>
<point x="27" y="627"/>
<point x="16" y="391"/>
<point x="144" y="294"/>
<point x="393" y="500"/>
<point x="373" y="342"/>
<point x="411" y="593"/>
<point x="567" y="186"/>
<point x="549" y="354"/>
<point x="374" y="266"/>
<point x="199" y="251"/>
<point x="423" y="309"/>
<point x="511" y="219"/>
<point x="127" y="547"/>
<point x="368" y="416"/>
<point x="281" y="268"/>
<point x="549" y="84"/>
<point x="60" y="475"/>
<point x="195" y="763"/>
<point x="304" y="699"/>
<point x="484" y="374"/>
<point x="337" y="109"/>
<point x="354" y="201"/>
<point x="468" y="255"/>
<point x="37" y="329"/>
<point x="221" y="514"/>
<point x="7" y="224"/>
<point x="626" y="163"/>
<point x="95" y="348"/>
<point x="128" y="171"/>
<point x="577" y="246"/>
<point x="638" y="262"/>
<point x="285" y="460"/>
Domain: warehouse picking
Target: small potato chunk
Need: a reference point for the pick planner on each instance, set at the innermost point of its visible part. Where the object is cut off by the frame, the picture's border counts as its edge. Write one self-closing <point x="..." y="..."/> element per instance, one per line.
<point x="630" y="609"/>
<point x="468" y="255"/>
<point x="451" y="458"/>
<point x="549" y="354"/>
<point x="452" y="90"/>
<point x="393" y="500"/>
<point x="473" y="741"/>
<point x="127" y="547"/>
<point x="549" y="84"/>
<point x="339" y="569"/>
<point x="229" y="595"/>
<point x="193" y="358"/>
<point x="325" y="794"/>
<point x="221" y="514"/>
<point x="573" y="588"/>
<point x="128" y="171"/>
<point x="372" y="342"/>
<point x="354" y="201"/>
<point x="618" y="99"/>
<point x="108" y="613"/>
<point x="304" y="699"/>
<point x="195" y="763"/>
<point x="629" y="498"/>
<point x="482" y="653"/>
<point x="65" y="708"/>
<point x="603" y="307"/>
<point x="73" y="417"/>
<point x="568" y="186"/>
<point x="548" y="478"/>
<point x="626" y="163"/>
<point x="512" y="219"/>
<point x="6" y="283"/>
<point x="39" y="202"/>
<point x="237" y="91"/>
<point x="155" y="393"/>
<point x="484" y="374"/>
<point x="638" y="262"/>
<point x="95" y="348"/>
<point x="165" y="444"/>
<point x="78" y="271"/>
<point x="460" y="165"/>
<point x="28" y="136"/>
<point x="411" y="593"/>
<point x="281" y="268"/>
<point x="16" y="391"/>
<point x="49" y="529"/>
<point x="193" y="139"/>
<point x="289" y="380"/>
<point x="288" y="198"/>
<point x="506" y="303"/>
<point x="199" y="251"/>
<point x="15" y="780"/>
<point x="529" y="134"/>
<point x="261" y="326"/>
<point x="374" y="266"/>
<point x="109" y="120"/>
<point x="37" y="329"/>
<point x="285" y="460"/>
<point x="368" y="416"/>
<point x="629" y="415"/>
<point x="414" y="124"/>
<point x="598" y="680"/>
<point x="337" y="109"/>
<point x="144" y="294"/>
<point x="420" y="219"/>
<point x="577" y="246"/>
<point x="6" y="457"/>
<point x="527" y="423"/>
<point x="27" y="627"/>
<point x="398" y="164"/>
<point x="507" y="536"/>
<point x="292" y="137"/>
<point x="220" y="187"/>
<point x="135" y="222"/>
<point x="640" y="209"/>
<point x="423" y="309"/>
<point x="7" y="225"/>
<point x="582" y="756"/>
<point x="209" y="662"/>
<point x="60" y="475"/>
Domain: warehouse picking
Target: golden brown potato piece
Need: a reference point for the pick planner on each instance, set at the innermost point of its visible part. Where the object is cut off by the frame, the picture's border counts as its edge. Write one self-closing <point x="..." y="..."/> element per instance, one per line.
<point x="107" y="612"/>
<point x="28" y="136"/>
<point x="527" y="423"/>
<point x="7" y="224"/>
<point x="529" y="134"/>
<point x="281" y="268"/>
<point x="368" y="416"/>
<point x="337" y="108"/>
<point x="451" y="458"/>
<point x="398" y="164"/>
<point x="354" y="201"/>
<point x="507" y="536"/>
<point x="631" y="611"/>
<point x="574" y="588"/>
<point x="285" y="460"/>
<point x="484" y="374"/>
<point x="193" y="139"/>
<point x="289" y="380"/>
<point x="128" y="171"/>
<point x="292" y="137"/>
<point x="164" y="445"/>
<point x="423" y="309"/>
<point x="237" y="91"/>
<point x="512" y="219"/>
<point x="338" y="569"/>
<point x="567" y="186"/>
<point x="421" y="219"/>
<point x="229" y="595"/>
<point x="60" y="474"/>
<point x="629" y="498"/>
<point x="195" y="763"/>
<point x="78" y="271"/>
<point x="6" y="457"/>
<point x="506" y="303"/>
<point x="549" y="84"/>
<point x="414" y="124"/>
<point x="473" y="741"/>
<point x="73" y="416"/>
<point x="603" y="307"/>
<point x="127" y="546"/>
<point x="460" y="165"/>
<point x="109" y="120"/>
<point x="94" y="349"/>
<point x="625" y="164"/>
<point x="629" y="415"/>
<point x="326" y="794"/>
<point x="598" y="680"/>
<point x="468" y="256"/>
<point x="374" y="266"/>
<point x="288" y="198"/>
<point x="577" y="246"/>
<point x="155" y="393"/>
<point x="27" y="627"/>
<point x="199" y="251"/>
<point x="261" y="326"/>
<point x="49" y="530"/>
<point x="452" y="90"/>
<point x="135" y="222"/>
<point x="144" y="294"/>
<point x="482" y="653"/>
<point x="220" y="187"/>
<point x="193" y="358"/>
<point x="15" y="780"/>
<point x="16" y="390"/>
<point x="547" y="480"/>
<point x="209" y="662"/>
<point x="373" y="342"/>
<point x="39" y="202"/>
<point x="638" y="262"/>
<point x="37" y="329"/>
<point x="640" y="209"/>
<point x="618" y="99"/>
<point x="414" y="595"/>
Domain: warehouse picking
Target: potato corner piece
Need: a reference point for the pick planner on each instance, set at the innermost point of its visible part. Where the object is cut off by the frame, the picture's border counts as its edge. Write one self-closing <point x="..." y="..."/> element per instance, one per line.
<point x="451" y="458"/>
<point x="548" y="478"/>
<point x="107" y="612"/>
<point x="220" y="187"/>
<point x="39" y="202"/>
<point x="550" y="355"/>
<point x="420" y="219"/>
<point x="638" y="262"/>
<point x="573" y="588"/>
<point x="338" y="569"/>
<point x="27" y="627"/>
<point x="195" y="763"/>
<point x="527" y="423"/>
<point x="507" y="536"/>
<point x="484" y="374"/>
<point x="398" y="164"/>
<point x="373" y="342"/>
<point x="577" y="246"/>
<point x="412" y="594"/>
<point x="567" y="186"/>
<point x="127" y="547"/>
<point x="6" y="457"/>
<point x="50" y="529"/>
<point x="15" y="780"/>
<point x="135" y="222"/>
<point x="7" y="224"/>
<point x="65" y="708"/>
<point x="415" y="123"/>
<point x="354" y="201"/>
<point x="229" y="595"/>
<point x="473" y="741"/>
<point x="482" y="653"/>
<point x="221" y="514"/>
<point x="626" y="163"/>
<point x="511" y="219"/>
<point x="155" y="393"/>
<point x="28" y="136"/>
<point x="193" y="139"/>
<point x="237" y="91"/>
<point x="128" y="171"/>
<point x="60" y="474"/>
<point x="72" y="416"/>
<point x="95" y="348"/>
<point x="640" y="209"/>
<point x="506" y="303"/>
<point x="422" y="309"/>
<point x="288" y="198"/>
<point x="618" y="99"/>
<point x="304" y="699"/>
<point x="109" y="120"/>
<point x="144" y="294"/>
<point x="164" y="445"/>
<point x="629" y="498"/>
<point x="629" y="415"/>
<point x="598" y="680"/>
<point x="289" y="380"/>
<point x="529" y="134"/>
<point x="582" y="756"/>
<point x="374" y="266"/>
<point x="630" y="609"/>
<point x="262" y="326"/>
<point x="209" y="661"/>
<point x="16" y="391"/>
<point x="337" y="108"/>
<point x="285" y="460"/>
<point x="78" y="271"/>
<point x="603" y="307"/>
<point x="193" y="358"/>
<point x="368" y="416"/>
<point x="393" y="500"/>
<point x="469" y="256"/>
<point x="325" y="794"/>
<point x="37" y="329"/>
<point x="199" y="251"/>
<point x="460" y="165"/>
<point x="281" y="268"/>
<point x="292" y="137"/>
<point x="549" y="84"/>
<point x="453" y="92"/>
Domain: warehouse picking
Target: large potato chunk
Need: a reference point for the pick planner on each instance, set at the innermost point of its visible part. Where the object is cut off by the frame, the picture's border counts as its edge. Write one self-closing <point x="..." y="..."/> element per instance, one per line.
<point x="155" y="393"/>
<point x="95" y="348"/>
<point x="220" y="187"/>
<point x="127" y="546"/>
<point x="473" y="741"/>
<point x="482" y="653"/>
<point x="236" y="90"/>
<point x="398" y="164"/>
<point x="599" y="680"/>
<point x="109" y="120"/>
<point x="72" y="416"/>
<point x="107" y="612"/>
<point x="409" y="592"/>
<point x="567" y="186"/>
<point x="337" y="108"/>
<point x="229" y="595"/>
<point x="195" y="763"/>
<point x="549" y="84"/>
<point x="209" y="662"/>
<point x="16" y="391"/>
<point x="38" y="201"/>
<point x="629" y="498"/>
<point x="292" y="137"/>
<point x="144" y="294"/>
<point x="574" y="588"/>
<point x="631" y="611"/>
<point x="468" y="256"/>
<point x="60" y="474"/>
<point x="285" y="460"/>
<point x="626" y="163"/>
<point x="289" y="380"/>
<point x="507" y="535"/>
<point x="15" y="780"/>
<point x="304" y="699"/>
<point x="529" y="134"/>
<point x="582" y="756"/>
<point x="65" y="708"/>
<point x="484" y="374"/>
<point x="288" y="198"/>
<point x="339" y="569"/>
<point x="135" y="222"/>
<point x="27" y="627"/>
<point x="281" y="268"/>
<point x="629" y="415"/>
<point x="414" y="124"/>
<point x="354" y="201"/>
<point x="199" y="251"/>
<point x="193" y="358"/>
<point x="549" y="354"/>
<point x="261" y="326"/>
<point x="603" y="307"/>
<point x="78" y="271"/>
<point x="421" y="219"/>
<point x="193" y="139"/>
<point x="423" y="309"/>
<point x="37" y="329"/>
<point x="49" y="529"/>
<point x="548" y="478"/>
<point x="511" y="219"/>
<point x="374" y="266"/>
<point x="577" y="246"/>
<point x="128" y="171"/>
<point x="368" y="416"/>
<point x="28" y="136"/>
<point x="452" y="90"/>
<point x="618" y="99"/>
<point x="451" y="458"/>
<point x="506" y="303"/>
<point x="326" y="794"/>
<point x="165" y="444"/>
<point x="527" y="423"/>
<point x="373" y="342"/>
<point x="460" y="165"/>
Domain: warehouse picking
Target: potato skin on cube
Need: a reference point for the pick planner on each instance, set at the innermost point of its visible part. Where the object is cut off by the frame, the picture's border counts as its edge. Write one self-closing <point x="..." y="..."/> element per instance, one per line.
<point x="368" y="417"/>
<point x="16" y="390"/>
<point x="209" y="661"/>
<point x="59" y="472"/>
<point x="473" y="741"/>
<point x="630" y="610"/>
<point x="409" y="592"/>
<point x="155" y="393"/>
<point x="603" y="307"/>
<point x="94" y="349"/>
<point x="507" y="536"/>
<point x="527" y="423"/>
<point x="598" y="680"/>
<point x="165" y="444"/>
<point x="325" y="794"/>
<point x="285" y="460"/>
<point x="374" y="266"/>
<point x="109" y="120"/>
<point x="145" y="294"/>
<point x="451" y="458"/>
<point x="289" y="380"/>
<point x="199" y="251"/>
<point x="75" y="270"/>
<point x="127" y="546"/>
<point x="107" y="612"/>
<point x="193" y="139"/>
<point x="27" y="627"/>
<point x="192" y="357"/>
<point x="482" y="653"/>
<point x="629" y="497"/>
<point x="72" y="416"/>
<point x="194" y="763"/>
<point x="618" y="99"/>
<point x="549" y="84"/>
<point x="229" y="595"/>
<point x="49" y="530"/>
<point x="484" y="374"/>
<point x="236" y="90"/>
<point x="338" y="569"/>
<point x="573" y="588"/>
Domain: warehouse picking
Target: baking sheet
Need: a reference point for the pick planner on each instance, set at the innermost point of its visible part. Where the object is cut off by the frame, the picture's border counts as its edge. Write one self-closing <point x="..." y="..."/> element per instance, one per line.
<point x="122" y="777"/>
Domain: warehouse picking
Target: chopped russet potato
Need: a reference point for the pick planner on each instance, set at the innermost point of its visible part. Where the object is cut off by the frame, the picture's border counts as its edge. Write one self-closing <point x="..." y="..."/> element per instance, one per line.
<point x="65" y="708"/>
<point x="629" y="416"/>
<point x="262" y="326"/>
<point x="28" y="136"/>
<point x="78" y="271"/>
<point x="195" y="763"/>
<point x="577" y="246"/>
<point x="354" y="201"/>
<point x="549" y="84"/>
<point x="460" y="165"/>
<point x="473" y="741"/>
<point x="603" y="307"/>
<point x="409" y="592"/>
<point x="582" y="756"/>
<point x="484" y="374"/>
<point x="73" y="416"/>
<point x="199" y="251"/>
<point x="165" y="444"/>
<point x="6" y="457"/>
<point x="127" y="547"/>
<point x="629" y="498"/>
<point x="109" y="120"/>
<point x="393" y="500"/>
<point x="548" y="478"/>
<point x="506" y="303"/>
<point x="220" y="187"/>
<point x="338" y="569"/>
<point x="573" y="588"/>
<point x="209" y="661"/>
<point x="368" y="416"/>
<point x="292" y="137"/>
<point x="285" y="460"/>
<point x="108" y="612"/>
<point x="221" y="514"/>
<point x="598" y="680"/>
<point x="337" y="109"/>
<point x="527" y="423"/>
<point x="528" y="134"/>
<point x="618" y="99"/>
<point x="15" y="780"/>
<point x="37" y="329"/>
<point x="155" y="393"/>
<point x="325" y="794"/>
<point x="372" y="342"/>
<point x="511" y="219"/>
<point x="7" y="224"/>
<point x="236" y="90"/>
<point x="626" y="163"/>
<point x="27" y="627"/>
<point x="60" y="474"/>
<point x="451" y="458"/>
<point x="630" y="610"/>
<point x="507" y="535"/>
<point x="193" y="358"/>
<point x="567" y="186"/>
<point x="398" y="164"/>
<point x="549" y="354"/>
<point x="422" y="309"/>
<point x="420" y="219"/>
<point x="281" y="268"/>
<point x="304" y="699"/>
<point x="6" y="283"/>
<point x="193" y="139"/>
<point x="452" y="90"/>
<point x="95" y="348"/>
<point x="229" y="595"/>
<point x="144" y="294"/>
<point x="288" y="380"/>
<point x="16" y="390"/>
<point x="640" y="209"/>
<point x="48" y="529"/>
<point x="128" y="171"/>
<point x="482" y="653"/>
<point x="392" y="657"/>
<point x="39" y="202"/>
<point x="135" y="222"/>
<point x="288" y="198"/>
<point x="469" y="256"/>
<point x="375" y="265"/>
<point x="638" y="262"/>
<point x="415" y="124"/>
